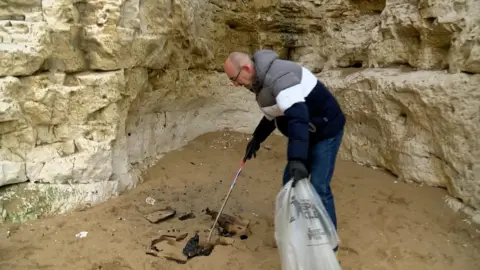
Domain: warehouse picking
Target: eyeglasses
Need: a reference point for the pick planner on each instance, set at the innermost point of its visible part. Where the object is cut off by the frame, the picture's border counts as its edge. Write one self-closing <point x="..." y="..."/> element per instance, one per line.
<point x="236" y="77"/>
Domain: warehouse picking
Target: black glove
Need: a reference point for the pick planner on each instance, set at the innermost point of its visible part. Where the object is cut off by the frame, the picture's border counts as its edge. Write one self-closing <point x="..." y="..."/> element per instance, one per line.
<point x="252" y="148"/>
<point x="297" y="170"/>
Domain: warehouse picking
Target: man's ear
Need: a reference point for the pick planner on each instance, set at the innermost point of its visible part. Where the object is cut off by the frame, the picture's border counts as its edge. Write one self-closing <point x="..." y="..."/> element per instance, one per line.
<point x="247" y="68"/>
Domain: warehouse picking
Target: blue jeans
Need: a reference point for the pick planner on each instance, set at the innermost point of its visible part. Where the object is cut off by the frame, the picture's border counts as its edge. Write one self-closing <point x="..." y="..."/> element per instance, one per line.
<point x="321" y="165"/>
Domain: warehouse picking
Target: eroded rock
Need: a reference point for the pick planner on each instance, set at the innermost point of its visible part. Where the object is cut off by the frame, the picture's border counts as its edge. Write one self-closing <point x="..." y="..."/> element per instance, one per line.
<point x="421" y="125"/>
<point x="24" y="47"/>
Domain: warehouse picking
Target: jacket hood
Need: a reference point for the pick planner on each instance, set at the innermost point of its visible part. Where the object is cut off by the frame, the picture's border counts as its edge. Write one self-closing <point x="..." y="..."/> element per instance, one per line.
<point x="262" y="59"/>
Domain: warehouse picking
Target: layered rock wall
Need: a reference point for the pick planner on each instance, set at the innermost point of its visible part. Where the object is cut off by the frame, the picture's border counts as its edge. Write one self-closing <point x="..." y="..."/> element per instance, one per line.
<point x="91" y="91"/>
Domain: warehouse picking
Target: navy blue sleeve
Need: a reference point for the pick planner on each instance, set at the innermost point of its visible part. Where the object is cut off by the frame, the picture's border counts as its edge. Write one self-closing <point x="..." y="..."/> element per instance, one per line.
<point x="289" y="94"/>
<point x="264" y="129"/>
<point x="298" y="132"/>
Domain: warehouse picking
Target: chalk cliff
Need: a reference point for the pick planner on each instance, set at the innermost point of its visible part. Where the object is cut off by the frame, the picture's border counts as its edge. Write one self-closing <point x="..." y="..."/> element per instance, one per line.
<point x="91" y="91"/>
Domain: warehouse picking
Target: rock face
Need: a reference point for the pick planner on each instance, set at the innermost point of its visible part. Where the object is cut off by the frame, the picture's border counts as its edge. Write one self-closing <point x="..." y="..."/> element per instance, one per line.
<point x="420" y="125"/>
<point x="93" y="91"/>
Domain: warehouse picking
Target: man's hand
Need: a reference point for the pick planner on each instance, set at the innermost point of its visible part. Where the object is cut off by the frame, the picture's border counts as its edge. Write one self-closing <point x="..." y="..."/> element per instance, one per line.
<point x="252" y="148"/>
<point x="297" y="170"/>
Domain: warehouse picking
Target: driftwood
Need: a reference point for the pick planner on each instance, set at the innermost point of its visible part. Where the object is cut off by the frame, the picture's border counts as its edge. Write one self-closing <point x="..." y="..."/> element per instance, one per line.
<point x="161" y="215"/>
<point x="187" y="216"/>
<point x="225" y="241"/>
<point x="167" y="251"/>
<point x="231" y="225"/>
<point x="169" y="238"/>
<point x="165" y="246"/>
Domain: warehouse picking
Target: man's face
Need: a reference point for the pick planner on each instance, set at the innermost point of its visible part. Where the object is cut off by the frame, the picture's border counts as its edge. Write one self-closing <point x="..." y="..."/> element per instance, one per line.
<point x="239" y="77"/>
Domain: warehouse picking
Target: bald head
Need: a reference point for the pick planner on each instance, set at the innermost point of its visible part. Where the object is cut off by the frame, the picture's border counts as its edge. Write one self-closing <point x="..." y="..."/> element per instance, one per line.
<point x="240" y="69"/>
<point x="239" y="59"/>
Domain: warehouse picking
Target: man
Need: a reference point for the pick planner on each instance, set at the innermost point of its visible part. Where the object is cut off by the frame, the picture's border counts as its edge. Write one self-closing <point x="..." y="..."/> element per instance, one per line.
<point x="302" y="108"/>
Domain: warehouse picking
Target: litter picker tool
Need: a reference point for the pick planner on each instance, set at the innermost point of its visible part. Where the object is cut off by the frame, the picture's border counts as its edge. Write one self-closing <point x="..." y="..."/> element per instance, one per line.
<point x="226" y="199"/>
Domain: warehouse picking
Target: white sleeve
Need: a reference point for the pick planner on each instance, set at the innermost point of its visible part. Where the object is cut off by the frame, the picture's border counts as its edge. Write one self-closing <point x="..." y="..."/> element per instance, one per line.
<point x="289" y="96"/>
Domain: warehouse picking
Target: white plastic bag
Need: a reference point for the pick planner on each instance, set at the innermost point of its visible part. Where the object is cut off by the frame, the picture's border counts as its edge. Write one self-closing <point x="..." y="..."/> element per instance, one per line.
<point x="304" y="232"/>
